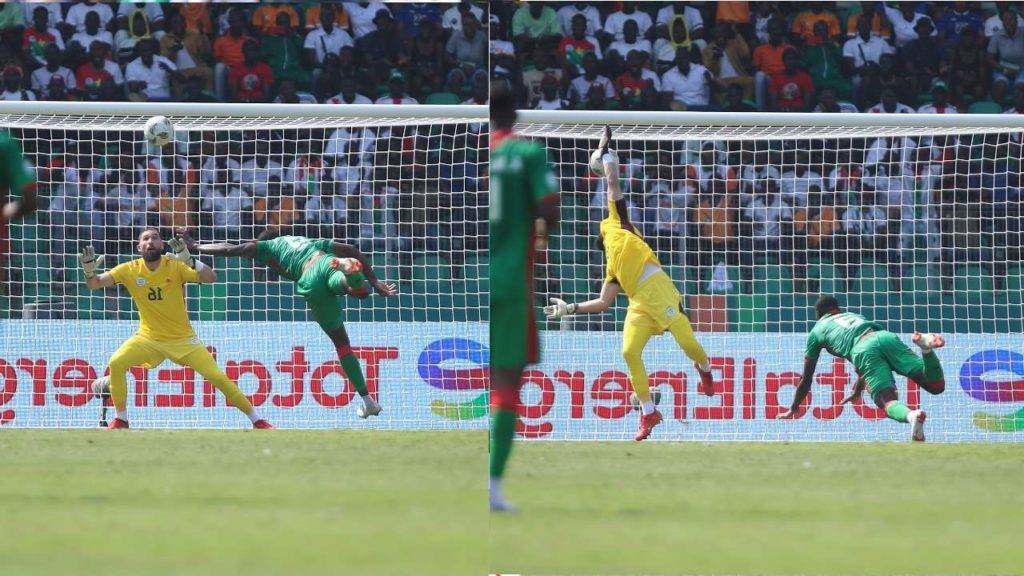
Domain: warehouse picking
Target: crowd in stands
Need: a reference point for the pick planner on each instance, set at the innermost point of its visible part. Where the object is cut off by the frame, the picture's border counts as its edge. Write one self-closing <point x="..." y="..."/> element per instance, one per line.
<point x="931" y="57"/>
<point x="401" y="53"/>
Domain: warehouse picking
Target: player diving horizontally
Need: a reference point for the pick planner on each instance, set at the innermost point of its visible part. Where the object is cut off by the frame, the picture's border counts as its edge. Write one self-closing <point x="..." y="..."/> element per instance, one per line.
<point x="322" y="271"/>
<point x="876" y="354"/>
<point x="157" y="284"/>
<point x="655" y="304"/>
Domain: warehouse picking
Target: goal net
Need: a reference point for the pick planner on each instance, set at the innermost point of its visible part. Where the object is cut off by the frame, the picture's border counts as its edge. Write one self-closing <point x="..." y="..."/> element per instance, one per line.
<point x="403" y="184"/>
<point x="911" y="220"/>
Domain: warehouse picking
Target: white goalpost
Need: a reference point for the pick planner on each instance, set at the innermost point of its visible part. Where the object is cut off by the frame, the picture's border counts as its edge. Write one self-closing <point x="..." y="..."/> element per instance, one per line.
<point x="405" y="184"/>
<point x="911" y="220"/>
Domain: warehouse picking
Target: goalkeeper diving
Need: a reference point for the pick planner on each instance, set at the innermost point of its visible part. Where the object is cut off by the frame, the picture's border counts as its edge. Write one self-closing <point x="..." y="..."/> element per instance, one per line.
<point x="876" y="353"/>
<point x="655" y="304"/>
<point x="156" y="282"/>
<point x="322" y="270"/>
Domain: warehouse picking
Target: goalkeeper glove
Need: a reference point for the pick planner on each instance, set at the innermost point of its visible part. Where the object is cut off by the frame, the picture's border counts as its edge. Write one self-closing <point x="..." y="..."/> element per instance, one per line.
<point x="559" y="308"/>
<point x="180" y="250"/>
<point x="90" y="262"/>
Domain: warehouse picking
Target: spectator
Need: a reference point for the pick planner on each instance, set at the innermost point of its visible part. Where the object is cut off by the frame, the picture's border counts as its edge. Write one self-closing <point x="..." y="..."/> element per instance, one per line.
<point x="845" y="178"/>
<point x="726" y="57"/>
<point x="924" y="55"/>
<point x="34" y="40"/>
<point x="81" y="41"/>
<point x="770" y="220"/>
<point x="591" y="18"/>
<point x="194" y="90"/>
<point x="40" y="77"/>
<point x="326" y="38"/>
<point x="1006" y="50"/>
<point x="578" y="44"/>
<point x="348" y="93"/>
<point x="828" y="101"/>
<point x="1018" y="100"/>
<point x="638" y="88"/>
<point x="189" y="50"/>
<point x="266" y="17"/>
<point x="940" y="101"/>
<point x="824" y="62"/>
<point x="665" y="48"/>
<point x="227" y="204"/>
<point x="126" y="38"/>
<point x="288" y="93"/>
<point x="735" y="102"/>
<point x="863" y="50"/>
<point x="768" y="60"/>
<point x="259" y="167"/>
<point x="766" y="12"/>
<point x="13" y="89"/>
<point x="615" y="24"/>
<point x="148" y="76"/>
<point x="791" y="90"/>
<point x="879" y="25"/>
<point x="715" y="217"/>
<point x="175" y="204"/>
<point x="994" y="24"/>
<point x="535" y="22"/>
<point x="383" y="46"/>
<point x="543" y="64"/>
<point x="755" y="172"/>
<point x="55" y="16"/>
<point x="451" y="20"/>
<point x="227" y="51"/>
<point x="410" y="17"/>
<point x="197" y="17"/>
<point x="251" y="80"/>
<point x="396" y="91"/>
<point x="702" y="175"/>
<point x="582" y="84"/>
<point x="630" y="41"/>
<point x="451" y="91"/>
<point x="362" y="16"/>
<point x="968" y="62"/>
<point x="797" y="180"/>
<point x="687" y="86"/>
<point x="276" y="210"/>
<point x="99" y="78"/>
<point x="154" y="14"/>
<point x="503" y="52"/>
<point x="904" y="22"/>
<point x="693" y="22"/>
<point x="862" y="224"/>
<point x="468" y="47"/>
<point x="890" y="104"/>
<point x="953" y="20"/>
<point x="282" y="49"/>
<point x="480" y="89"/>
<point x="804" y="24"/>
<point x="75" y="20"/>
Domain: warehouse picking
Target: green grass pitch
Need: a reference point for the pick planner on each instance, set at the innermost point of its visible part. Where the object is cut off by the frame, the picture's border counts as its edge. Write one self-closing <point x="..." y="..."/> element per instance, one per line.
<point x="772" y="509"/>
<point x="242" y="502"/>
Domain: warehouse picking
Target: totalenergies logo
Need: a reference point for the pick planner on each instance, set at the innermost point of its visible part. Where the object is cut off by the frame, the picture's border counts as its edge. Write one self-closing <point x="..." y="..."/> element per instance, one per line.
<point x="976" y="378"/>
<point x="456" y="364"/>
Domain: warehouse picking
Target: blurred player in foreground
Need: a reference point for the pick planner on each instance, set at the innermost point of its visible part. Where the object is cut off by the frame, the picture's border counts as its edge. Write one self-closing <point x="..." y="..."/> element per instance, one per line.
<point x="655" y="304"/>
<point x="157" y="284"/>
<point x="876" y="354"/>
<point x="322" y="270"/>
<point x="523" y="207"/>
<point x="17" y="193"/>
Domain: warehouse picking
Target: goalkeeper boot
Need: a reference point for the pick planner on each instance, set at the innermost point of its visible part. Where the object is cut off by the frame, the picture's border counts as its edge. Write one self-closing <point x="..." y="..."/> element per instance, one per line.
<point x="369" y="408"/>
<point x="118" y="424"/>
<point x="262" y="424"/>
<point x="647" y="424"/>
<point x="926" y="342"/>
<point x="916" y="419"/>
<point x="707" y="382"/>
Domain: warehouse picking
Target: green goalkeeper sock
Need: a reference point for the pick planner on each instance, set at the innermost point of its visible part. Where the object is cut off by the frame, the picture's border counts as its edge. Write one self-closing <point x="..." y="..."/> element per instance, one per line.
<point x="897" y="411"/>
<point x="932" y="367"/>
<point x="503" y="429"/>
<point x="354" y="372"/>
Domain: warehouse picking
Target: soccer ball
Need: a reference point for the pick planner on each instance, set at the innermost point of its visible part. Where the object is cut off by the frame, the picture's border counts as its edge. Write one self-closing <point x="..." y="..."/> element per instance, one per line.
<point x="159" y="131"/>
<point x="634" y="401"/>
<point x="596" y="164"/>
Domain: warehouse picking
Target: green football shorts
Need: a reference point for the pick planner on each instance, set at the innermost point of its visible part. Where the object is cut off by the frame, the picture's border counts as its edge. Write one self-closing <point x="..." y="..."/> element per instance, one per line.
<point x="513" y="334"/>
<point x="879" y="355"/>
<point x="314" y="286"/>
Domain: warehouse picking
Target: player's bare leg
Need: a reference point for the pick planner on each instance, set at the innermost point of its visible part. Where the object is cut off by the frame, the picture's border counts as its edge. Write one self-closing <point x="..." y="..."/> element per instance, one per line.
<point x="353" y="371"/>
<point x="505" y="383"/>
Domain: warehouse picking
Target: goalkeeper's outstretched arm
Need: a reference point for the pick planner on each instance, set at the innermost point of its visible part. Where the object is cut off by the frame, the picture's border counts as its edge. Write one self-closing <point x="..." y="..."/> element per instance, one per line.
<point x="90" y="263"/>
<point x="609" y="159"/>
<point x="559" y="307"/>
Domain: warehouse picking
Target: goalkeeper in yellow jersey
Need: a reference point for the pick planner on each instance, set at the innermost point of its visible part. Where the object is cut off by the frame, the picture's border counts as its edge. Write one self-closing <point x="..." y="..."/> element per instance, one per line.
<point x="654" y="303"/>
<point x="157" y="284"/>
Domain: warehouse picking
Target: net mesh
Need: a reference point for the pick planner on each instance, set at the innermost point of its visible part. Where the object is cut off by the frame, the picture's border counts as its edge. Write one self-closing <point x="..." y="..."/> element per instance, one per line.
<point x="915" y="228"/>
<point x="407" y="193"/>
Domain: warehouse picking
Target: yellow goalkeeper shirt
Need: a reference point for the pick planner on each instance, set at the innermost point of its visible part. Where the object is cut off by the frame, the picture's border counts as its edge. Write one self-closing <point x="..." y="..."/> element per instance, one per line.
<point x="625" y="252"/>
<point x="159" y="295"/>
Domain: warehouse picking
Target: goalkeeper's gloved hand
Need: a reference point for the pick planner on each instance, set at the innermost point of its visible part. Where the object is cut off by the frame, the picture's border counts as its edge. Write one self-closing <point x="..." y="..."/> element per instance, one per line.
<point x="180" y="250"/>
<point x="90" y="262"/>
<point x="559" y="308"/>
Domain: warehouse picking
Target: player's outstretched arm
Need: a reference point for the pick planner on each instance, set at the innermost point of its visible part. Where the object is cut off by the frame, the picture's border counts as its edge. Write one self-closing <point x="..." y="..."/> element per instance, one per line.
<point x="342" y="250"/>
<point x="802" y="389"/>
<point x="90" y="263"/>
<point x="559" y="307"/>
<point x="182" y="245"/>
<point x="247" y="250"/>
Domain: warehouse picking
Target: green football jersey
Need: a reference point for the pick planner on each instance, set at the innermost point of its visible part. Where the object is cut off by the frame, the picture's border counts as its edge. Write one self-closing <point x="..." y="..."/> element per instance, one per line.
<point x="520" y="176"/>
<point x="838" y="333"/>
<point x="291" y="252"/>
<point x="14" y="174"/>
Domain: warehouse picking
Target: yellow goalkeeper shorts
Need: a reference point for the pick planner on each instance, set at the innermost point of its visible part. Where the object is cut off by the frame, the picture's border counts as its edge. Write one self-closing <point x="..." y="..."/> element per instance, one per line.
<point x="142" y="351"/>
<point x="656" y="303"/>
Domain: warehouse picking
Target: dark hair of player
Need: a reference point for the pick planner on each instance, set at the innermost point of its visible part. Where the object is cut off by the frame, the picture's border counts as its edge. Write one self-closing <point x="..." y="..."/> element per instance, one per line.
<point x="826" y="305"/>
<point x="503" y="106"/>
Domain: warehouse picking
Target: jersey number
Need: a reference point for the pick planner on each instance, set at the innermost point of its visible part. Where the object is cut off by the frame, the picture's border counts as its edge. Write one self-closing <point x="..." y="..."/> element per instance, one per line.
<point x="847" y="320"/>
<point x="155" y="294"/>
<point x="297" y="242"/>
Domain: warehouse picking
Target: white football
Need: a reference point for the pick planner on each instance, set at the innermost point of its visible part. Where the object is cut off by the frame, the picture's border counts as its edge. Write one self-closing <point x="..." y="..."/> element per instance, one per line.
<point x="596" y="165"/>
<point x="159" y="131"/>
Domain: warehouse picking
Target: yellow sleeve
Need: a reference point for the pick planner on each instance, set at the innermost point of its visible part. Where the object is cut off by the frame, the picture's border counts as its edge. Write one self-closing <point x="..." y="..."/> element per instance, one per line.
<point x="120" y="273"/>
<point x="185" y="273"/>
<point x="613" y="212"/>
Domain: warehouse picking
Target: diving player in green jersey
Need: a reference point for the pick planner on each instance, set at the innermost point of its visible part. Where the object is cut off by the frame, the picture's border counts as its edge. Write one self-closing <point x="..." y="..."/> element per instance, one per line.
<point x="876" y="353"/>
<point x="523" y="207"/>
<point x="322" y="271"/>
<point x="17" y="193"/>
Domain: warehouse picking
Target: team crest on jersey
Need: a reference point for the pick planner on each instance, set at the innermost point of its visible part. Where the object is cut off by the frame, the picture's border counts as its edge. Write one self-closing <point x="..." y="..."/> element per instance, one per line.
<point x="670" y="311"/>
<point x="140" y="281"/>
